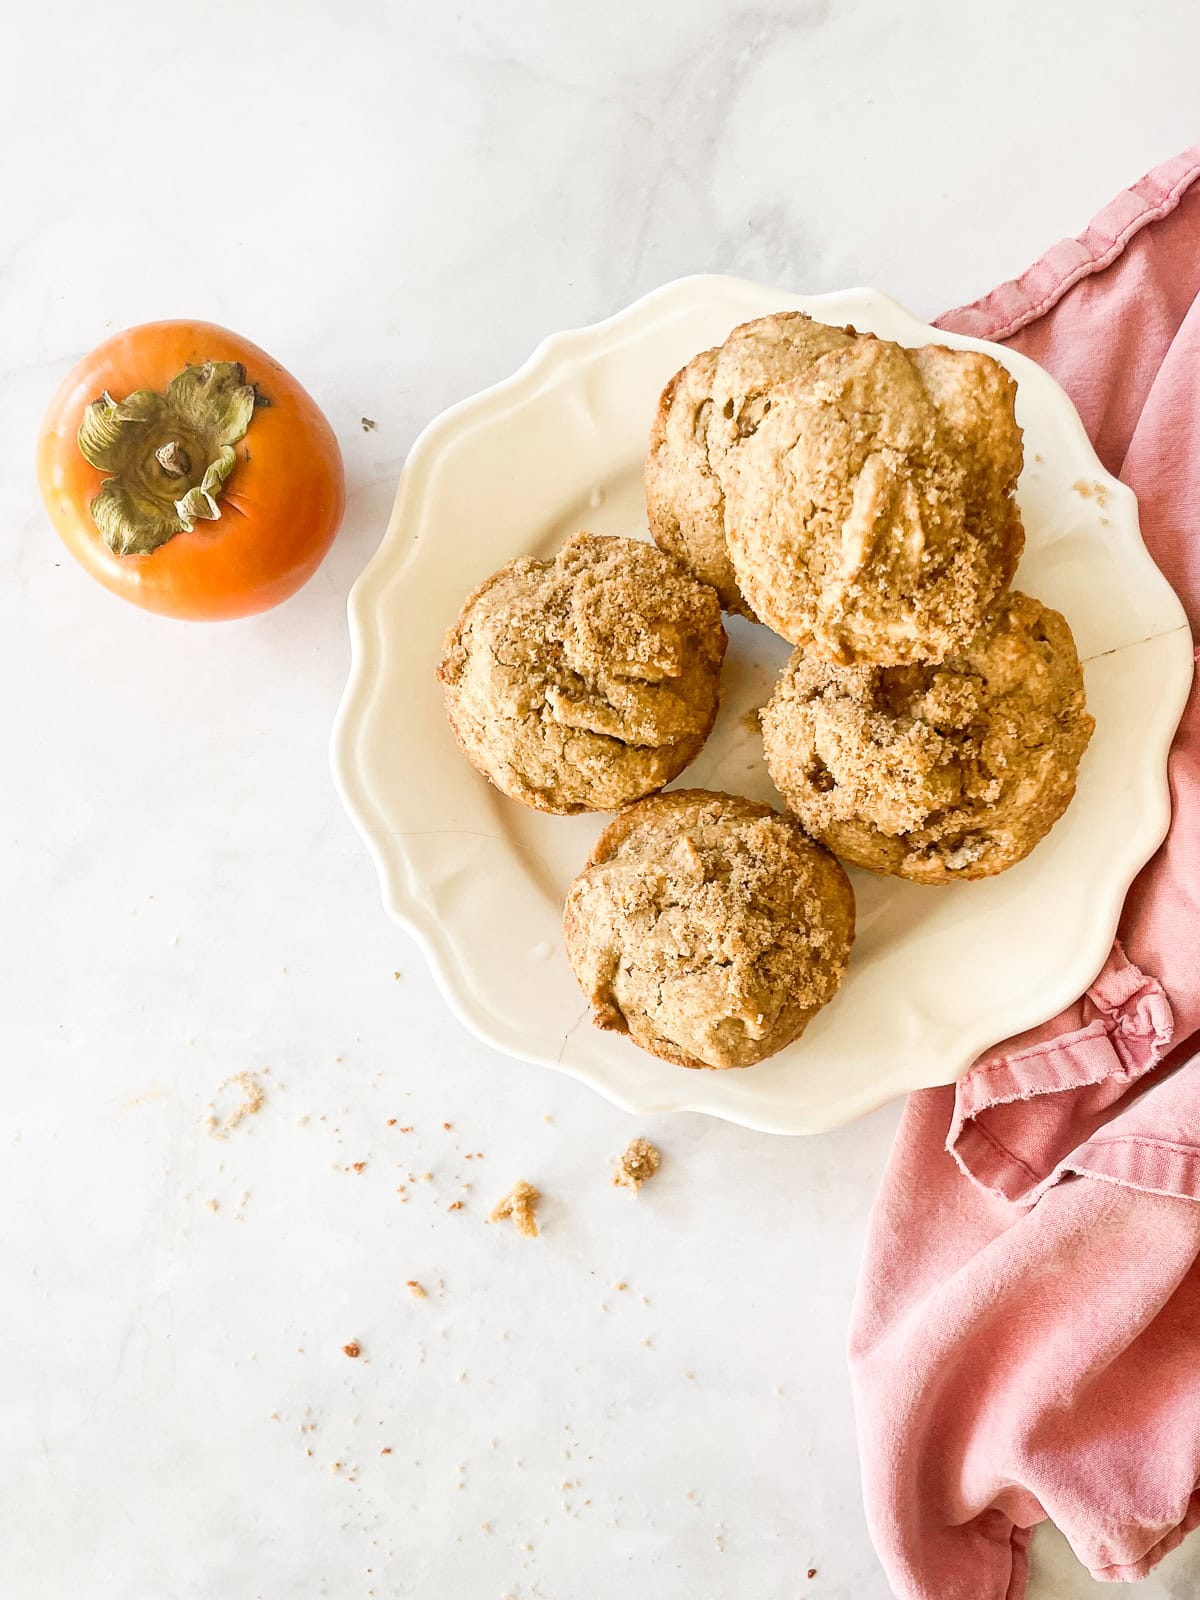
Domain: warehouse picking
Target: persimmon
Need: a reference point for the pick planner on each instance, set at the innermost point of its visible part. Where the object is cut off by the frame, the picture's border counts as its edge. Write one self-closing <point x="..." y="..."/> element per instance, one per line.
<point x="189" y="472"/>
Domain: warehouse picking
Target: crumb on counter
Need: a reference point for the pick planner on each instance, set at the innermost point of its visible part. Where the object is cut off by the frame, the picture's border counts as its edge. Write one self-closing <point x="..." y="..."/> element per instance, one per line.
<point x="415" y="1289"/>
<point x="253" y="1098"/>
<point x="520" y="1203"/>
<point x="640" y="1162"/>
<point x="353" y="1349"/>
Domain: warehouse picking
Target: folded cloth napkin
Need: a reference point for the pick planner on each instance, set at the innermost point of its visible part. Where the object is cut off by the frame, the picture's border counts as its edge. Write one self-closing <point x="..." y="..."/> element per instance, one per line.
<point x="1026" y="1337"/>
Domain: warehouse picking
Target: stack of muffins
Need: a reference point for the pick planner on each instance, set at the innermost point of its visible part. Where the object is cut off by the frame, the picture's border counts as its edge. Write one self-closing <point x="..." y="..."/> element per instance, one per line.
<point x="857" y="498"/>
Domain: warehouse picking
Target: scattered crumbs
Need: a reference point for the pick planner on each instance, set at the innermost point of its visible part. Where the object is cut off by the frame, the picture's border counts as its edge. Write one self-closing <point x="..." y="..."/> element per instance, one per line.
<point x="302" y="1122"/>
<point x="397" y="976"/>
<point x="368" y="424"/>
<point x="621" y="1285"/>
<point x="750" y="720"/>
<point x="407" y="1130"/>
<point x="1037" y="458"/>
<point x="359" y="1166"/>
<point x="520" y="1203"/>
<point x="812" y="1572"/>
<point x="547" y="1117"/>
<point x="427" y="1177"/>
<point x="640" y="1162"/>
<point x="485" y="1527"/>
<point x="391" y="1122"/>
<point x="335" y="1466"/>
<point x="647" y="1344"/>
<point x="353" y="1349"/>
<point x="212" y="1205"/>
<point x="462" y="1377"/>
<point x="455" y="1205"/>
<point x="415" y="1289"/>
<point x="645" y="1299"/>
<point x="274" y="1417"/>
<point x="447" y="1126"/>
<point x="1082" y="489"/>
<point x="308" y="1452"/>
<point x="386" y="1451"/>
<point x="251" y="1101"/>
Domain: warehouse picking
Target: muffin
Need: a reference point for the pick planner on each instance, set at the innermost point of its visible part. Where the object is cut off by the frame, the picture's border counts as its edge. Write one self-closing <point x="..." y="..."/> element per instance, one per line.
<point x="708" y="928"/>
<point x="583" y="683"/>
<point x="705" y="410"/>
<point x="935" y="772"/>
<point x="869" y="516"/>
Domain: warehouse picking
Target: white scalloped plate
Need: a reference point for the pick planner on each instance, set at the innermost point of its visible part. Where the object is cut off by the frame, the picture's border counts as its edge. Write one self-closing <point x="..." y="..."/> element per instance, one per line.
<point x="937" y="975"/>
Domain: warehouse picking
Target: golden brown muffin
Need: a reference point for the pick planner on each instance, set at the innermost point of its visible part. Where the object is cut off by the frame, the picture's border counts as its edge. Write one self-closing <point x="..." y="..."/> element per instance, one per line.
<point x="709" y="928"/>
<point x="583" y="683"/>
<point x="869" y="515"/>
<point x="936" y="772"/>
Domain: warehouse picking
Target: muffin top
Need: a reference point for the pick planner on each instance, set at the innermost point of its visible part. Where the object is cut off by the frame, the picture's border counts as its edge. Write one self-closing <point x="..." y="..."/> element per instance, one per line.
<point x="869" y="514"/>
<point x="709" y="928"/>
<point x="583" y="683"/>
<point x="936" y="772"/>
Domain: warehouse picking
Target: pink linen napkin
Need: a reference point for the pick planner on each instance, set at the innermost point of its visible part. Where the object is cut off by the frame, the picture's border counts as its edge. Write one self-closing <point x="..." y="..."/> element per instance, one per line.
<point x="1026" y="1337"/>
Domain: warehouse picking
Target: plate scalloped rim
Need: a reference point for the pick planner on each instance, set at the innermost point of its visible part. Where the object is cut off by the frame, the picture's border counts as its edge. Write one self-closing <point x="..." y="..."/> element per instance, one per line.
<point x="397" y="854"/>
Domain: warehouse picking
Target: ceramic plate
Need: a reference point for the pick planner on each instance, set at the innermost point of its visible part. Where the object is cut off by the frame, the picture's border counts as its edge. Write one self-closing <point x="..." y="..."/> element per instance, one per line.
<point x="937" y="974"/>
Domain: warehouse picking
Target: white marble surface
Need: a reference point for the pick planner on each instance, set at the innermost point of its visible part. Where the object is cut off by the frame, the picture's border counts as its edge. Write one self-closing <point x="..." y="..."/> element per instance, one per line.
<point x="398" y="201"/>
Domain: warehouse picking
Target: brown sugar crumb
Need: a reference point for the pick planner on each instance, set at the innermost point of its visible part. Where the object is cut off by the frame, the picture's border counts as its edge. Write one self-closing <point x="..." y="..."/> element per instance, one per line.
<point x="353" y="1349"/>
<point x="812" y="1572"/>
<point x="386" y="1451"/>
<point x="415" y="1289"/>
<point x="640" y="1161"/>
<point x="212" y="1205"/>
<point x="447" y="1125"/>
<point x="455" y="1205"/>
<point x="391" y="1122"/>
<point x="520" y="1203"/>
<point x="359" y="1166"/>
<point x="407" y="1130"/>
<point x="250" y="1104"/>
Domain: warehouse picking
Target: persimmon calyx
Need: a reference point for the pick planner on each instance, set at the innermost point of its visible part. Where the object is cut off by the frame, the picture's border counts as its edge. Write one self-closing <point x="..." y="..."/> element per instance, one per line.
<point x="168" y="455"/>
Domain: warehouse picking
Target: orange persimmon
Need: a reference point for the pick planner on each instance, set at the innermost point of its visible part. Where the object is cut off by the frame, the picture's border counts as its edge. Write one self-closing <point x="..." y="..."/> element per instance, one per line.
<point x="189" y="473"/>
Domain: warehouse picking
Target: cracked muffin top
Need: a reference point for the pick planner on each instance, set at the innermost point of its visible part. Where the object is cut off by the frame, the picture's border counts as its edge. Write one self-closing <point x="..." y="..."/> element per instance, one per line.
<point x="869" y="514"/>
<point x="708" y="928"/>
<point x="936" y="772"/>
<point x="705" y="410"/>
<point x="583" y="683"/>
